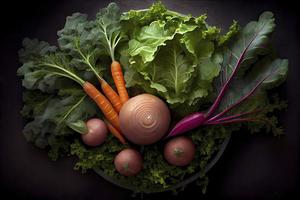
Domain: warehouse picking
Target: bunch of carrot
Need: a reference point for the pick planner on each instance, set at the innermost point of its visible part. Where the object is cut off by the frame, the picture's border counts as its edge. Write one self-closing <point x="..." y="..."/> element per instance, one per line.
<point x="110" y="102"/>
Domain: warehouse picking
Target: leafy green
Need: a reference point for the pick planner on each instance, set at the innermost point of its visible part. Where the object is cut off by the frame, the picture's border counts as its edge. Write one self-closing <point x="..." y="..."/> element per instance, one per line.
<point x="107" y="28"/>
<point x="59" y="146"/>
<point x="32" y="55"/>
<point x="250" y="80"/>
<point x="132" y="20"/>
<point x="33" y="49"/>
<point x="170" y="76"/>
<point x="42" y="71"/>
<point x="76" y="40"/>
<point x="79" y="126"/>
<point x="57" y="113"/>
<point x="265" y="74"/>
<point x="53" y="99"/>
<point x="233" y="30"/>
<point x="149" y="39"/>
<point x="250" y="43"/>
<point x="92" y="44"/>
<point x="269" y="121"/>
<point x="171" y="55"/>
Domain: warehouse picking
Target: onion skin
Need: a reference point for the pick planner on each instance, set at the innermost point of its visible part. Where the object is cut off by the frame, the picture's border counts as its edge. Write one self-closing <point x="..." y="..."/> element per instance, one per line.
<point x="97" y="132"/>
<point x="128" y="162"/>
<point x="179" y="151"/>
<point x="144" y="119"/>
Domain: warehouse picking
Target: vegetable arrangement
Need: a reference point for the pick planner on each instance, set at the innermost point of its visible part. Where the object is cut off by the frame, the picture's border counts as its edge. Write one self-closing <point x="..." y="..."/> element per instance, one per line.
<point x="176" y="75"/>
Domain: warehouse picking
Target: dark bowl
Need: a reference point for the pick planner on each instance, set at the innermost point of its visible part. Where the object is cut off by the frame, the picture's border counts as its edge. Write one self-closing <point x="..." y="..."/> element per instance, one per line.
<point x="179" y="185"/>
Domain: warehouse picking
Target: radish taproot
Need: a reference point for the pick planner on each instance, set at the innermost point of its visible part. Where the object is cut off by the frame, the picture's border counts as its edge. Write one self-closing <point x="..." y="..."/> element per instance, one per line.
<point x="128" y="162"/>
<point x="96" y="134"/>
<point x="179" y="151"/>
<point x="144" y="119"/>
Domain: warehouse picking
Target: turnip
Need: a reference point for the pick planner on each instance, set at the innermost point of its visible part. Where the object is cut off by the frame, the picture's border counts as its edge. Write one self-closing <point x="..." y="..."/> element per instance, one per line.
<point x="179" y="151"/>
<point x="128" y="162"/>
<point x="144" y="119"/>
<point x="96" y="134"/>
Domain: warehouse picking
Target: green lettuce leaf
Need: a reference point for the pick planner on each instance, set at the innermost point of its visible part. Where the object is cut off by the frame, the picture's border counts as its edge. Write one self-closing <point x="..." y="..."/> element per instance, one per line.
<point x="170" y="75"/>
<point x="149" y="39"/>
<point x="172" y="57"/>
<point x="233" y="30"/>
<point x="133" y="20"/>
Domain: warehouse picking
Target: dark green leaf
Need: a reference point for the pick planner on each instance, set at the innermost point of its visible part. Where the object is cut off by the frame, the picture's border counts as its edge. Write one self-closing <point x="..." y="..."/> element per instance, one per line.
<point x="33" y="49"/>
<point x="79" y="126"/>
<point x="251" y="42"/>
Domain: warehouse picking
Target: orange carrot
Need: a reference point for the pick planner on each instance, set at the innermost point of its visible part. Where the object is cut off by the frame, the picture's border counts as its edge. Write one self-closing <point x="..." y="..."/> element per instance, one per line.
<point x="115" y="132"/>
<point x="111" y="95"/>
<point x="102" y="102"/>
<point x="118" y="77"/>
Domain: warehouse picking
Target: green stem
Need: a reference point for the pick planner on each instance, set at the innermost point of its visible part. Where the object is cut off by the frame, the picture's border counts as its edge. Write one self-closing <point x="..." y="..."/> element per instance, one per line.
<point x="116" y="40"/>
<point x="87" y="61"/>
<point x="108" y="42"/>
<point x="93" y="69"/>
<point x="67" y="76"/>
<point x="110" y="49"/>
<point x="71" y="74"/>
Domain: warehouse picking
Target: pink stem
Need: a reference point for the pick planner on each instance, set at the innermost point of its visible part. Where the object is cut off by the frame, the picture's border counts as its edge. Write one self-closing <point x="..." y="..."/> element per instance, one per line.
<point x="232" y="121"/>
<point x="240" y="100"/>
<point x="225" y="87"/>
<point x="233" y="116"/>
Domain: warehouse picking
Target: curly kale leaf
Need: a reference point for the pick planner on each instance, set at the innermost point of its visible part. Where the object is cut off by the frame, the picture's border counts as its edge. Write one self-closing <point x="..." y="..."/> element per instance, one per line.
<point x="52" y="99"/>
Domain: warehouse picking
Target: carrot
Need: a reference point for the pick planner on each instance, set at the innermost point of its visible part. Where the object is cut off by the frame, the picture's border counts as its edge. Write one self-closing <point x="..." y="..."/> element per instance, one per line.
<point x="118" y="77"/>
<point x="107" y="90"/>
<point x="102" y="102"/>
<point x="111" y="95"/>
<point x="115" y="132"/>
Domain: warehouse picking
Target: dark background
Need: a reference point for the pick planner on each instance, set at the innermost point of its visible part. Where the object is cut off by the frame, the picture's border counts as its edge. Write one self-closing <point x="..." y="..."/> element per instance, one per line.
<point x="252" y="167"/>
